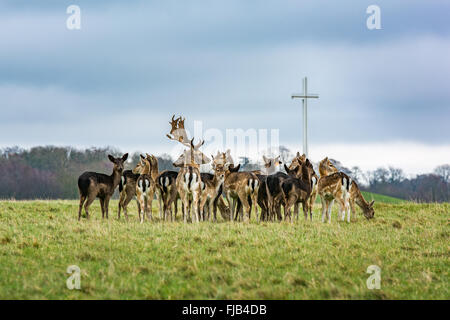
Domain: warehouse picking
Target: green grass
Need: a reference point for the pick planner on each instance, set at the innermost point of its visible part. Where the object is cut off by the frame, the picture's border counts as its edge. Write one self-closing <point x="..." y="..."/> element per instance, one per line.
<point x="304" y="260"/>
<point x="369" y="196"/>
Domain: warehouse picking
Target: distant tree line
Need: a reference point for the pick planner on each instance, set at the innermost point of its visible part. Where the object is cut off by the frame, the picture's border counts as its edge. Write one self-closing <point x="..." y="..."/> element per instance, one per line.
<point x="52" y="172"/>
<point x="430" y="187"/>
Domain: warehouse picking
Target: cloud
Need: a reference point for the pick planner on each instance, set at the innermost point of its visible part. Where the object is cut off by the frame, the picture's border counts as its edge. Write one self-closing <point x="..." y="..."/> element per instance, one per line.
<point x="231" y="64"/>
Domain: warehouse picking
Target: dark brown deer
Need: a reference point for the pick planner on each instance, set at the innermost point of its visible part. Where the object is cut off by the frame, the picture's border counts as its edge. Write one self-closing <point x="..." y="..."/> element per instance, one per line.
<point x="93" y="185"/>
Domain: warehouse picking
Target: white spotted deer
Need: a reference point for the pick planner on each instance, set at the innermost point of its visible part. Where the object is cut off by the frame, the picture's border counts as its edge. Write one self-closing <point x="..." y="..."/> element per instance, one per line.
<point x="145" y="190"/>
<point x="243" y="188"/>
<point x="189" y="181"/>
<point x="326" y="168"/>
<point x="93" y="185"/>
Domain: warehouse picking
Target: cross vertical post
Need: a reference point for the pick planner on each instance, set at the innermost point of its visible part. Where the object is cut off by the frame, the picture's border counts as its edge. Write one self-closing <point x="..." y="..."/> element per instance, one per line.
<point x="305" y="96"/>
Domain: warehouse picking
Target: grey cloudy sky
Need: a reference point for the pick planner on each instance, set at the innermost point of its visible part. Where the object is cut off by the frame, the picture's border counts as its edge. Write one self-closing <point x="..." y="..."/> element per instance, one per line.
<point x="231" y="64"/>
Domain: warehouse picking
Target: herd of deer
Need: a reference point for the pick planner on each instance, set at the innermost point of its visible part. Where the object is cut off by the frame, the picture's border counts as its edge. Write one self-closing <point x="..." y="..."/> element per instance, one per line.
<point x="242" y="190"/>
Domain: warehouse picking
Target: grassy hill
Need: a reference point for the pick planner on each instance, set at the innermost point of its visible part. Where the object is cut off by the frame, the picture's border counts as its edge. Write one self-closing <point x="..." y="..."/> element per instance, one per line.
<point x="225" y="260"/>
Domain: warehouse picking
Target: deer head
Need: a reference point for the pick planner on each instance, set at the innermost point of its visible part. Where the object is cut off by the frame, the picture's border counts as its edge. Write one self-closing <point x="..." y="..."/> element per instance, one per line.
<point x="118" y="162"/>
<point x="192" y="157"/>
<point x="368" y="211"/>
<point x="298" y="160"/>
<point x="177" y="131"/>
<point x="326" y="167"/>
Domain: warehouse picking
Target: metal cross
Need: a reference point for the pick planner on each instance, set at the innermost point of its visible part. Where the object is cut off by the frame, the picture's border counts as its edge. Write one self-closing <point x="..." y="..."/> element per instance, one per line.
<point x="305" y="96"/>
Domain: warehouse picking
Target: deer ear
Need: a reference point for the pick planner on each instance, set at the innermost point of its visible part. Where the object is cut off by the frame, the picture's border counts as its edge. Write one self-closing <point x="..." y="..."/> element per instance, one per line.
<point x="371" y="203"/>
<point x="142" y="157"/>
<point x="265" y="159"/>
<point x="125" y="157"/>
<point x="298" y="154"/>
<point x="111" y="158"/>
<point x="286" y="168"/>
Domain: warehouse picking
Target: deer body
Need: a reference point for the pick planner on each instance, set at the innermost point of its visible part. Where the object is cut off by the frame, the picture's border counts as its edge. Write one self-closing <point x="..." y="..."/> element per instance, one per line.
<point x="334" y="187"/>
<point x="189" y="188"/>
<point x="93" y="185"/>
<point x="145" y="191"/>
<point x="166" y="183"/>
<point x="355" y="197"/>
<point x="297" y="188"/>
<point x="242" y="187"/>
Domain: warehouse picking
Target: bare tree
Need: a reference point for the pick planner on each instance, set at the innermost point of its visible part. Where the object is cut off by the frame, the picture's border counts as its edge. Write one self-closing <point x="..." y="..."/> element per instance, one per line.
<point x="443" y="171"/>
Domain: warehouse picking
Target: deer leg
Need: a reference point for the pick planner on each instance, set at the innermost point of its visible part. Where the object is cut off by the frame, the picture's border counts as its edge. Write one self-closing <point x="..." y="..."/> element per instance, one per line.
<point x="353" y="209"/>
<point x="150" y="200"/>
<point x="305" y="209"/>
<point x="90" y="199"/>
<point x="80" y="208"/>
<point x="102" y="206"/>
<point x="324" y="207"/>
<point x="158" y="197"/>
<point x="141" y="206"/>
<point x="330" y="206"/>
<point x="106" y="204"/>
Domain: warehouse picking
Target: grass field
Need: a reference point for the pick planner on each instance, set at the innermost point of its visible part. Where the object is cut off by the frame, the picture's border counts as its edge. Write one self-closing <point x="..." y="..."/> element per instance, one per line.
<point x="304" y="260"/>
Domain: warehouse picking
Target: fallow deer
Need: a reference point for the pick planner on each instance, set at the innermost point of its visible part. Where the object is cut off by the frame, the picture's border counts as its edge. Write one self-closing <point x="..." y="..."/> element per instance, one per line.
<point x="270" y="167"/>
<point x="189" y="179"/>
<point x="127" y="187"/>
<point x="93" y="185"/>
<point x="243" y="188"/>
<point x="212" y="186"/>
<point x="298" y="161"/>
<point x="166" y="183"/>
<point x="335" y="186"/>
<point x="297" y="188"/>
<point x="145" y="190"/>
<point x="326" y="168"/>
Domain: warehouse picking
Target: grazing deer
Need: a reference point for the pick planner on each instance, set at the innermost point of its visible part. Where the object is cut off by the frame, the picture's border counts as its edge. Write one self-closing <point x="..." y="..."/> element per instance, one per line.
<point x="127" y="187"/>
<point x="297" y="162"/>
<point x="93" y="185"/>
<point x="145" y="190"/>
<point x="189" y="179"/>
<point x="326" y="168"/>
<point x="297" y="188"/>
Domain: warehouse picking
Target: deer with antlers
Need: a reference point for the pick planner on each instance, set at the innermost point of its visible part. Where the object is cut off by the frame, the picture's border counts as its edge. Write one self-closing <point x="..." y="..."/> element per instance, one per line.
<point x="188" y="182"/>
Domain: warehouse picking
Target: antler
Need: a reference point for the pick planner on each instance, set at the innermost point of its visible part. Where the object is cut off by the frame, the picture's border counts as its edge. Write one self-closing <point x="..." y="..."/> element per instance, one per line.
<point x="177" y="132"/>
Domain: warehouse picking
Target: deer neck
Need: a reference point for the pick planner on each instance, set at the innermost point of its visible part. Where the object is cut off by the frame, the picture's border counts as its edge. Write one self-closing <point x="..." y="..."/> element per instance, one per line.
<point x="146" y="169"/>
<point x="116" y="176"/>
<point x="154" y="171"/>
<point x="359" y="199"/>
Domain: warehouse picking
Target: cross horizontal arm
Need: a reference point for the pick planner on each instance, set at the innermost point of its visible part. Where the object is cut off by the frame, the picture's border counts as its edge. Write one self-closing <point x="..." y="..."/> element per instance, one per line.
<point x="309" y="96"/>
